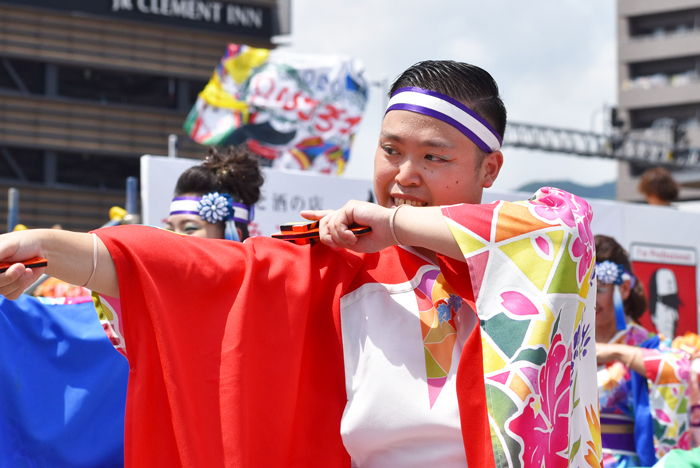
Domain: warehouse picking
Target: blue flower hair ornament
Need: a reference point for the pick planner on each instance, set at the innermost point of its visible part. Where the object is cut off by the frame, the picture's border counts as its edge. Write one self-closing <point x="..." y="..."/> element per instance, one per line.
<point x="215" y="207"/>
<point x="609" y="272"/>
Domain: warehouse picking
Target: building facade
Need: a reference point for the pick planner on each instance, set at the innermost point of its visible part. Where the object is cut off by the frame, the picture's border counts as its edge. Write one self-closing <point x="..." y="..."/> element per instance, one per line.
<point x="88" y="86"/>
<point x="658" y="80"/>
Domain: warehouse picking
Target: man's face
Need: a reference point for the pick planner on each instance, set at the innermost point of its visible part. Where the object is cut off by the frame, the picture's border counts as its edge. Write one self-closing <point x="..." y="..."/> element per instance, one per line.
<point x="424" y="161"/>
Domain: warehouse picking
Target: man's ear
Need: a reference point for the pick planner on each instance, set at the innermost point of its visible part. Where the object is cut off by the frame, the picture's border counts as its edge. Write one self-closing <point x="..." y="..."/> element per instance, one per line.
<point x="490" y="168"/>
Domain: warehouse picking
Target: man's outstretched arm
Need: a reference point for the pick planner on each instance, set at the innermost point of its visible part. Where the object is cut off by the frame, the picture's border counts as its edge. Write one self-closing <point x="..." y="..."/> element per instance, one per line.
<point x="423" y="227"/>
<point x="71" y="258"/>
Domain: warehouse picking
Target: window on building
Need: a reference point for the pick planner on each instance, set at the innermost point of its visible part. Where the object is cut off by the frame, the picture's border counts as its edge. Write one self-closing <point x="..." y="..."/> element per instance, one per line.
<point x="22" y="75"/>
<point x="116" y="87"/>
<point x="678" y="71"/>
<point x="687" y="114"/>
<point x="105" y="86"/>
<point x="106" y="172"/>
<point x="669" y="67"/>
<point x="661" y="24"/>
<point x="85" y="170"/>
<point x="18" y="163"/>
<point x="196" y="87"/>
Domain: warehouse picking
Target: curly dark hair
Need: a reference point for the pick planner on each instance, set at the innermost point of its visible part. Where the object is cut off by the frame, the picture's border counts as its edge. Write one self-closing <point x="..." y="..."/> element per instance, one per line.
<point x="607" y="248"/>
<point x="659" y="182"/>
<point x="237" y="173"/>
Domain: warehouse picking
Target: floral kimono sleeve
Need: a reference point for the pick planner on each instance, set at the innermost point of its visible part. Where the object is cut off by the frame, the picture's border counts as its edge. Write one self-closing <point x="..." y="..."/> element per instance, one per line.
<point x="668" y="374"/>
<point x="109" y="311"/>
<point x="531" y="267"/>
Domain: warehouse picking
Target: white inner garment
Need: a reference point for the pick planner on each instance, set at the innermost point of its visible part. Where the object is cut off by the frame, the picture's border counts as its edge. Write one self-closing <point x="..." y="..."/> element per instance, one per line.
<point x="388" y="421"/>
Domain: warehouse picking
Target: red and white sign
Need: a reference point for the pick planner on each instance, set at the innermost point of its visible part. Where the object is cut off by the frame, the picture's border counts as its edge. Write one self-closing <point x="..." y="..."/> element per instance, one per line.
<point x="668" y="275"/>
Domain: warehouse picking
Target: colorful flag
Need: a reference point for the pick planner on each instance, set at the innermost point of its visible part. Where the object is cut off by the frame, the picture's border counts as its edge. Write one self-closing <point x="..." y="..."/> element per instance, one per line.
<point x="298" y="110"/>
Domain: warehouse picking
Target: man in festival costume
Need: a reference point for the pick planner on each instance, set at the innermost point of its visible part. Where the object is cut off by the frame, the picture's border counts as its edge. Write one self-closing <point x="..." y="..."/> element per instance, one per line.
<point x="471" y="347"/>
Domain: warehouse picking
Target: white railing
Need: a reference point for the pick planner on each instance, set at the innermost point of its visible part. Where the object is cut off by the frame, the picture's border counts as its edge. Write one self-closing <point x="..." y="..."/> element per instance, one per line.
<point x="615" y="146"/>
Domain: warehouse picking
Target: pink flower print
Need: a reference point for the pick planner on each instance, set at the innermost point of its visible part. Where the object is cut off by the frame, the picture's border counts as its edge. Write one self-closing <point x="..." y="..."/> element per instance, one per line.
<point x="543" y="245"/>
<point x="518" y="304"/>
<point x="662" y="416"/>
<point x="579" y="207"/>
<point x="683" y="370"/>
<point x="554" y="204"/>
<point x="684" y="441"/>
<point x="543" y="424"/>
<point x="583" y="247"/>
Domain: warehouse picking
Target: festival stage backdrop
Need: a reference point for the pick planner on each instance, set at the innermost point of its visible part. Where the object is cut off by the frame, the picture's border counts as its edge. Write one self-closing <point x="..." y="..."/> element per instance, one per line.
<point x="298" y="110"/>
<point x="669" y="278"/>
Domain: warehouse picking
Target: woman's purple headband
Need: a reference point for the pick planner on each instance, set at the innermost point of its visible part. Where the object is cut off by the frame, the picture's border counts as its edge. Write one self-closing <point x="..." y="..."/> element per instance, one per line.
<point x="213" y="207"/>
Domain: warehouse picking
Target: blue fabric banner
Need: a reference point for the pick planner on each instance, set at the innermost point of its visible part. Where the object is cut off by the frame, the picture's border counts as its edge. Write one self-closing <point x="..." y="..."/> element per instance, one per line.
<point x="643" y="420"/>
<point x="62" y="387"/>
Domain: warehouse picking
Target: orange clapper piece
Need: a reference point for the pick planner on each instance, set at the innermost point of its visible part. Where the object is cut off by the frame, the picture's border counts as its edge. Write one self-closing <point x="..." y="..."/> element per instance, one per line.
<point x="306" y="232"/>
<point x="36" y="262"/>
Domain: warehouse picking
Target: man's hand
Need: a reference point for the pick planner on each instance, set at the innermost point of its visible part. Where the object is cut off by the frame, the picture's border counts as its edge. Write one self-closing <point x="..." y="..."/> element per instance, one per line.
<point x="16" y="247"/>
<point x="334" y="232"/>
<point x="71" y="258"/>
<point x="424" y="228"/>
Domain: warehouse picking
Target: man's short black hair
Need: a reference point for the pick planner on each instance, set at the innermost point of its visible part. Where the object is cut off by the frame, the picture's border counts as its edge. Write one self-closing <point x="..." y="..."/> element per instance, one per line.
<point x="469" y="84"/>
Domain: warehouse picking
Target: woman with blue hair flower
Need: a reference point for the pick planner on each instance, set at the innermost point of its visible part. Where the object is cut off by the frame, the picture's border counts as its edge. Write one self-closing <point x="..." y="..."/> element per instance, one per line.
<point x="642" y="380"/>
<point x="216" y="199"/>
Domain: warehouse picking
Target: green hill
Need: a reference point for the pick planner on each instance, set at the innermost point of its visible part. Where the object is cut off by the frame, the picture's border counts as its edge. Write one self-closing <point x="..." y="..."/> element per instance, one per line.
<point x="605" y="191"/>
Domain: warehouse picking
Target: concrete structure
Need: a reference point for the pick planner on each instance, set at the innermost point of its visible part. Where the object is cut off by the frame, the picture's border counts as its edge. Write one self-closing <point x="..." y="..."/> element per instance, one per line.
<point x="87" y="86"/>
<point x="658" y="80"/>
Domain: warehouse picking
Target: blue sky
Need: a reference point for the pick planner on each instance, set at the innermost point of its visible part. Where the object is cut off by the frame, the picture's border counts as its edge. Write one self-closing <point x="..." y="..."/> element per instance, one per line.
<point x="554" y="62"/>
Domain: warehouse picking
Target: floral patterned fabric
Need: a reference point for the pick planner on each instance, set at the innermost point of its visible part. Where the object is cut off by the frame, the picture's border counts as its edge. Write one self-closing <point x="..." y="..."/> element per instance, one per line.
<point x="531" y="265"/>
<point x="667" y="378"/>
<point x="54" y="287"/>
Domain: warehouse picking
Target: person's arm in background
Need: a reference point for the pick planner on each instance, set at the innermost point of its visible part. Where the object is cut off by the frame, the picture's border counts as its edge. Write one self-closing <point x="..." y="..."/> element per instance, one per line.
<point x="667" y="373"/>
<point x="631" y="356"/>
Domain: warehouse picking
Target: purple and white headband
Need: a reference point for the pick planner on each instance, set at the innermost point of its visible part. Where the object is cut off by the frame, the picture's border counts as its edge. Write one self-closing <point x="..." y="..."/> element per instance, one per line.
<point x="449" y="110"/>
<point x="213" y="208"/>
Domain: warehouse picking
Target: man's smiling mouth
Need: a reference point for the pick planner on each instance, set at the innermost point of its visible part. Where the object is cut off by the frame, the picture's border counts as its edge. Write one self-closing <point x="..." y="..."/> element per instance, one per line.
<point x="401" y="201"/>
